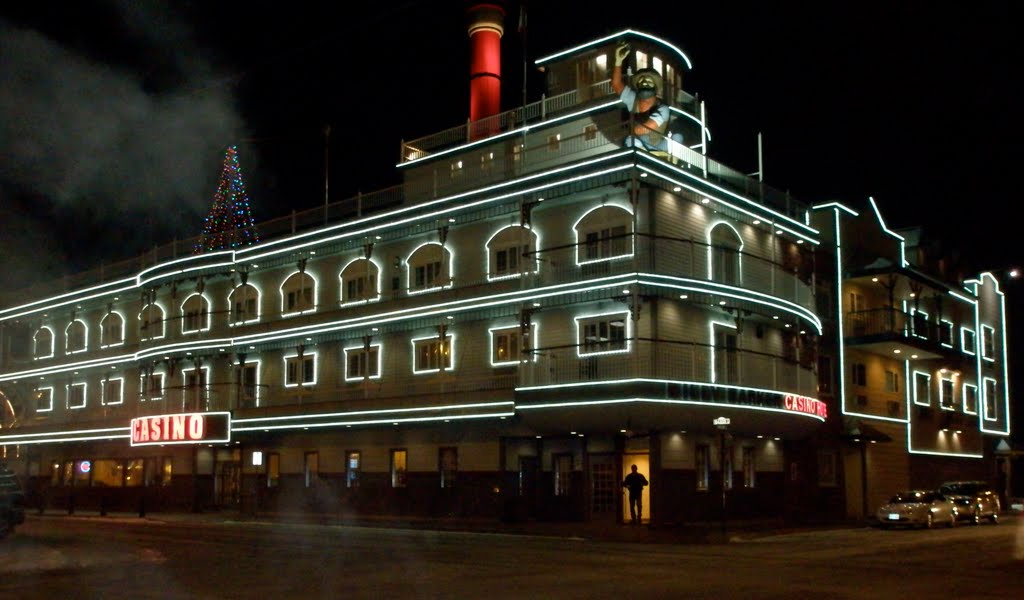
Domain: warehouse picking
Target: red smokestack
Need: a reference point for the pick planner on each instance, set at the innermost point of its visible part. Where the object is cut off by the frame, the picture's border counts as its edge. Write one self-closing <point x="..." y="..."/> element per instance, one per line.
<point x="485" y="29"/>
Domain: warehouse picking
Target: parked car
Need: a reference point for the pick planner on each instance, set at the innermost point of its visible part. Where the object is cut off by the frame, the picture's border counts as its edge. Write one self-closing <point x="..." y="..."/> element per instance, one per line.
<point x="917" y="508"/>
<point x="12" y="502"/>
<point x="975" y="500"/>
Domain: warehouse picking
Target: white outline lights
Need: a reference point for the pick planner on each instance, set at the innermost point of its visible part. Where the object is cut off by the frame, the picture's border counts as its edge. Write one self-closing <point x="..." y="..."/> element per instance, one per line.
<point x="106" y="392"/>
<point x="517" y="330"/>
<point x="928" y="388"/>
<point x="35" y="341"/>
<point x="300" y="299"/>
<point x="597" y="320"/>
<point x="446" y="347"/>
<point x="84" y="397"/>
<point x="412" y="263"/>
<point x="300" y="369"/>
<point x="511" y="272"/>
<point x="604" y="224"/>
<point x="203" y="316"/>
<point x="711" y="345"/>
<point x="356" y="263"/>
<point x="50" y="394"/>
<point x="368" y="353"/>
<point x="82" y="336"/>
<point x="616" y="36"/>
<point x="104" y="330"/>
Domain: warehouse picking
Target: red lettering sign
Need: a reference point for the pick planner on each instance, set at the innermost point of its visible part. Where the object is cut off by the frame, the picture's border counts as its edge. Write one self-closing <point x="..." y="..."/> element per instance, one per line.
<point x="803" y="404"/>
<point x="191" y="428"/>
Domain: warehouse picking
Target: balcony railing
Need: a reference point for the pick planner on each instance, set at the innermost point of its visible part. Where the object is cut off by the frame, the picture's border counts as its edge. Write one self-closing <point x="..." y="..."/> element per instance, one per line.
<point x="892" y="322"/>
<point x="670" y="361"/>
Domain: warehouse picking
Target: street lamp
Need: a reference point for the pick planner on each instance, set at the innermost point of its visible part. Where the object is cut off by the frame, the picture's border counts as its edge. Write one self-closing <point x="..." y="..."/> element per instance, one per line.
<point x="722" y="423"/>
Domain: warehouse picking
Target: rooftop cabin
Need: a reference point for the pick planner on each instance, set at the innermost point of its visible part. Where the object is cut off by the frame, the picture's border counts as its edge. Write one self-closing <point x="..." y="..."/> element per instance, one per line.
<point x="577" y="118"/>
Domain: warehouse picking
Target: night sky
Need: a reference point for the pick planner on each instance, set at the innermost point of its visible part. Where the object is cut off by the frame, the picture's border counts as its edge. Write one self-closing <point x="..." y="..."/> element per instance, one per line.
<point x="114" y="115"/>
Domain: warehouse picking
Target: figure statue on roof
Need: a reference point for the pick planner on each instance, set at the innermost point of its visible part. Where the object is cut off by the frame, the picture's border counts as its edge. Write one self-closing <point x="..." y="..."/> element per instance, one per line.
<point x="649" y="115"/>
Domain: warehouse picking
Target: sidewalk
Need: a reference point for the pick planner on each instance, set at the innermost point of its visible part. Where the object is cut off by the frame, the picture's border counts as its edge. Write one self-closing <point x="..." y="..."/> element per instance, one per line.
<point x="706" y="532"/>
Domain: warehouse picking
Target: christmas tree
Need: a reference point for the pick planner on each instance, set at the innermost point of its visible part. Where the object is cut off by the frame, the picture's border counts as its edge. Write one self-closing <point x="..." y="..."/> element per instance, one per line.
<point x="229" y="223"/>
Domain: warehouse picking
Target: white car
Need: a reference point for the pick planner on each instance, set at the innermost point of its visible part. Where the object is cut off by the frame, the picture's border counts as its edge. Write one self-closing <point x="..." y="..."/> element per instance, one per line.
<point x="917" y="508"/>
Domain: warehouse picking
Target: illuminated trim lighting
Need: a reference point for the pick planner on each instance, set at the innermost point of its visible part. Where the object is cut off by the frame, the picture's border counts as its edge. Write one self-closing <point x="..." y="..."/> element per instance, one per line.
<point x="447" y="256"/>
<point x="963" y="396"/>
<point x="51" y="394"/>
<point x="103" y="329"/>
<point x="85" y="398"/>
<point x="231" y="304"/>
<point x="616" y="36"/>
<point x="533" y="244"/>
<point x="516" y="328"/>
<point x="881" y="222"/>
<point x="284" y="294"/>
<point x="571" y="404"/>
<point x="711" y="328"/>
<point x="449" y="348"/>
<point x="628" y="333"/>
<point x="630" y="234"/>
<point x="85" y="338"/>
<point x="35" y="343"/>
<point x="363" y="349"/>
<point x="343" y="291"/>
<point x="206" y="308"/>
<point x="300" y="370"/>
<point x="120" y="392"/>
<point x="928" y="400"/>
<point x="712" y="248"/>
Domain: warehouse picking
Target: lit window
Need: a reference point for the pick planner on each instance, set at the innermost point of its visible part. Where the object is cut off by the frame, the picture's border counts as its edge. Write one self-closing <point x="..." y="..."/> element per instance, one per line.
<point x="300" y="370"/>
<point x="244" y="301"/>
<point x="195" y="314"/>
<point x="43" y="343"/>
<point x="749" y="467"/>
<point x="590" y="132"/>
<point x="922" y="388"/>
<point x="602" y="334"/>
<point x="432" y="354"/>
<point x="113" y="392"/>
<point x="429" y="268"/>
<point x="76" y="395"/>
<point x="641" y="60"/>
<point x="946" y="399"/>
<point x="152" y="386"/>
<point x="970" y="394"/>
<point x="44" y="399"/>
<point x="353" y="467"/>
<point x="74" y="337"/>
<point x="151" y="322"/>
<point x="486" y="161"/>
<point x="112" y="330"/>
<point x="702" y="463"/>
<point x="988" y="343"/>
<point x="298" y="294"/>
<point x="506" y="346"/>
<point x="456" y="169"/>
<point x="510" y="252"/>
<point x="991" y="392"/>
<point x="362" y="363"/>
<point x="604" y="233"/>
<point x="554" y="142"/>
<point x="967" y="343"/>
<point x="359" y="281"/>
<point x="892" y="381"/>
<point x="398" y="468"/>
<point x="249" y="385"/>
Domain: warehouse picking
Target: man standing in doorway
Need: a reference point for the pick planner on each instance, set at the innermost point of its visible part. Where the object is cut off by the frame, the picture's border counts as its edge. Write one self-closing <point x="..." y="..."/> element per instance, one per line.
<point x="635" y="483"/>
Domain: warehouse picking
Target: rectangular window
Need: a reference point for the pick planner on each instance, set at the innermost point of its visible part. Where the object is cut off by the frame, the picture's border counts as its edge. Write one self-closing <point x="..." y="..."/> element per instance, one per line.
<point x="946" y="399"/>
<point x="196" y="392"/>
<point x="605" y="243"/>
<point x="427" y="276"/>
<point x="554" y="142"/>
<point x="399" y="466"/>
<point x="432" y="355"/>
<point x="726" y="364"/>
<point x="946" y="333"/>
<point x="702" y="465"/>
<point x="922" y="388"/>
<point x="970" y="393"/>
<point x="243" y="310"/>
<point x="991" y="407"/>
<point x="300" y="371"/>
<point x="249" y="385"/>
<point x="157" y="471"/>
<point x="749" y="467"/>
<point x="506" y="346"/>
<point x="448" y="465"/>
<point x="602" y="334"/>
<point x="486" y="161"/>
<point x="892" y="381"/>
<point x="825" y="374"/>
<point x="361" y="363"/>
<point x="107" y="473"/>
<point x="273" y="470"/>
<point x="507" y="260"/>
<point x="827" y="463"/>
<point x="456" y="169"/>
<point x="311" y="468"/>
<point x="859" y="374"/>
<point x="353" y="467"/>
<point x="967" y="343"/>
<point x="153" y="386"/>
<point x="562" y="464"/>
<point x="134" y="472"/>
<point x="590" y="132"/>
<point x="76" y="395"/>
<point x="44" y="399"/>
<point x="360" y="288"/>
<point x="919" y="323"/>
<point x="988" y="343"/>
<point x="113" y="392"/>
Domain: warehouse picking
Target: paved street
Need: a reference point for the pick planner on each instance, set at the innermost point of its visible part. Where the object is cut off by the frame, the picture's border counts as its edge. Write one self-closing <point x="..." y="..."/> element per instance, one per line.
<point x="61" y="557"/>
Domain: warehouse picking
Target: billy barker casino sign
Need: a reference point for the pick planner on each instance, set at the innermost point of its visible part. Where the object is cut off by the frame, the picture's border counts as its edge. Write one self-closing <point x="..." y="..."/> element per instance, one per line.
<point x="186" y="428"/>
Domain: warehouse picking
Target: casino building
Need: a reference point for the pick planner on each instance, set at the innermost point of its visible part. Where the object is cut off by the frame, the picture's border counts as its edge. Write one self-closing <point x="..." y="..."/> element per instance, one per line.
<point x="532" y="311"/>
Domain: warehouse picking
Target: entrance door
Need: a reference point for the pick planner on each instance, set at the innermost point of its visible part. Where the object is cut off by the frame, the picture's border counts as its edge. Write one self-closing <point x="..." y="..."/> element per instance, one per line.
<point x="604" y="486"/>
<point x="228" y="484"/>
<point x="529" y="471"/>
<point x="643" y="466"/>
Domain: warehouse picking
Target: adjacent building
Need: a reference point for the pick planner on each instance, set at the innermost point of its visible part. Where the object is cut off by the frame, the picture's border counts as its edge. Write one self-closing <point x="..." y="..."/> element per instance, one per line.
<point x="534" y="310"/>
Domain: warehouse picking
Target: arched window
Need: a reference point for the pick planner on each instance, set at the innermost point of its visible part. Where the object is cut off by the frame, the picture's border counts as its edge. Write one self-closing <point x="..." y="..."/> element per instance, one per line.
<point x="510" y="252"/>
<point x="245" y="304"/>
<point x="195" y="314"/>
<point x="603" y="234"/>
<point x="298" y="294"/>
<point x="360" y="281"/>
<point x="429" y="268"/>
<point x="43" y="343"/>
<point x="724" y="247"/>
<point x="75" y="337"/>
<point x="151" y="322"/>
<point x="112" y="330"/>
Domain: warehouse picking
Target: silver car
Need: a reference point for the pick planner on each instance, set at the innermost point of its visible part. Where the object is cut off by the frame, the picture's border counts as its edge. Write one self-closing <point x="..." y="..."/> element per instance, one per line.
<point x="917" y="508"/>
<point x="974" y="499"/>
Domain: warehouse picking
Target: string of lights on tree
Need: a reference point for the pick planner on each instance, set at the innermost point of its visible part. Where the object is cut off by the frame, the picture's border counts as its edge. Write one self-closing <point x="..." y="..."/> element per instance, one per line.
<point x="229" y="223"/>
